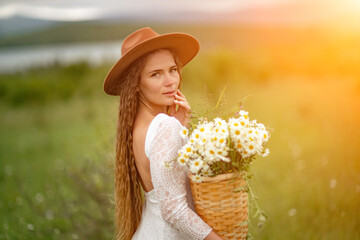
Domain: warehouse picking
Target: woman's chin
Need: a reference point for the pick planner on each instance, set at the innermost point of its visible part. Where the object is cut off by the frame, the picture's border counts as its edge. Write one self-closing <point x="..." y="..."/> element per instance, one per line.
<point x="169" y="102"/>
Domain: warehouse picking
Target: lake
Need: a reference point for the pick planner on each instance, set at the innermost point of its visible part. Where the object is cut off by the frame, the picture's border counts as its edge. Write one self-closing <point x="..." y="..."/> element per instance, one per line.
<point x="24" y="57"/>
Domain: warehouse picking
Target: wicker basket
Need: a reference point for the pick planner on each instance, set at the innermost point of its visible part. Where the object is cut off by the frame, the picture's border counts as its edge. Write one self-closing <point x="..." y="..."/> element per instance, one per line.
<point x="222" y="203"/>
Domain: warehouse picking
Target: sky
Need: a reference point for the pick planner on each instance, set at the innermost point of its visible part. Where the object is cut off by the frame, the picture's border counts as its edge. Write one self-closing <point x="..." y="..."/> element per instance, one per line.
<point x="80" y="10"/>
<point x="73" y="10"/>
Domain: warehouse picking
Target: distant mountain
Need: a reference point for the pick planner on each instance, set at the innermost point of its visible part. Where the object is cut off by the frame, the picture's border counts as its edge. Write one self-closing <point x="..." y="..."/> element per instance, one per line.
<point x="22" y="25"/>
<point x="18" y="31"/>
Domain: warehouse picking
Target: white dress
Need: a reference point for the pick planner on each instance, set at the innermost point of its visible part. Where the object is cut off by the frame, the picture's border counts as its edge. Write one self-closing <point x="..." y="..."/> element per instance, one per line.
<point x="168" y="211"/>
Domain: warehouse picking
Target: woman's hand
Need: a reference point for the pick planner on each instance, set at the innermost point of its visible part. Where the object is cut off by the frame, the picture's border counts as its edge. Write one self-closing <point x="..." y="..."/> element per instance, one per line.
<point x="212" y="236"/>
<point x="184" y="110"/>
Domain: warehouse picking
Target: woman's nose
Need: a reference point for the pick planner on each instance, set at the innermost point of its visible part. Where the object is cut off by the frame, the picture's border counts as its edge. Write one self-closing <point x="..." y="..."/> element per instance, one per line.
<point x="169" y="79"/>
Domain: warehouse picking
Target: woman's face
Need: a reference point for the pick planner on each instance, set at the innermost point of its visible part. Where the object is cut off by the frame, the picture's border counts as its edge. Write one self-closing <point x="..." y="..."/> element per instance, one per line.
<point x="160" y="78"/>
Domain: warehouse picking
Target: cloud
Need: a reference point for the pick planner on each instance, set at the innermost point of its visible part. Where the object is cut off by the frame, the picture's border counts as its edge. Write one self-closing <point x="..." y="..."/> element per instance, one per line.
<point x="51" y="13"/>
<point x="81" y="10"/>
<point x="73" y="10"/>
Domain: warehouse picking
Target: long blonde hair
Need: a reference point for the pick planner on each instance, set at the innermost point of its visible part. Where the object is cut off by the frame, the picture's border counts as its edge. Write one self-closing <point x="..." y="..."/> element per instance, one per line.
<point x="128" y="197"/>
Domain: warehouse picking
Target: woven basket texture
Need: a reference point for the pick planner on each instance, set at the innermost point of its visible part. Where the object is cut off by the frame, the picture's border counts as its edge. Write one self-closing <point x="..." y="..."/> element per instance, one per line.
<point x="222" y="203"/>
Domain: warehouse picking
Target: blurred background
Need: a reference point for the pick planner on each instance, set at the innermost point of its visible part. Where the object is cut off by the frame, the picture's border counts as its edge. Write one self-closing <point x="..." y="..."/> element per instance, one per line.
<point x="294" y="64"/>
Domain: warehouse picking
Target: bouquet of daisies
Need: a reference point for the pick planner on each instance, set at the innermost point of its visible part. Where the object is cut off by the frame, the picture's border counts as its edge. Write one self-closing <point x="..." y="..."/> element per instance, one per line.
<point x="218" y="153"/>
<point x="223" y="146"/>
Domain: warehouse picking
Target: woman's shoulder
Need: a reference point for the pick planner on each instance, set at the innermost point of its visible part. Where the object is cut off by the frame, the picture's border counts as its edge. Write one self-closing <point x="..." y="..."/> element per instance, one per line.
<point x="164" y="120"/>
<point x="162" y="125"/>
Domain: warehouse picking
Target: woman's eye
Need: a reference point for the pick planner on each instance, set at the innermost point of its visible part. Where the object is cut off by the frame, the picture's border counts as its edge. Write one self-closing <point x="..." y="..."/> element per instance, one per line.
<point x="173" y="70"/>
<point x="155" y="75"/>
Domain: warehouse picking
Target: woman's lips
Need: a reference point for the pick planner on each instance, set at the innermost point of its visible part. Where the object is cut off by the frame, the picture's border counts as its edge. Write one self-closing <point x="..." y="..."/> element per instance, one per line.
<point x="170" y="93"/>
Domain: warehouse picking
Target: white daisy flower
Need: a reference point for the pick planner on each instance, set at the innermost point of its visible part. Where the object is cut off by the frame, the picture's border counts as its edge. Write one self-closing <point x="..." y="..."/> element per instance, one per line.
<point x="222" y="151"/>
<point x="266" y="153"/>
<point x="196" y="135"/>
<point x="238" y="144"/>
<point x="184" y="132"/>
<point x="264" y="135"/>
<point x="243" y="123"/>
<point x="196" y="178"/>
<point x="222" y="140"/>
<point x="225" y="159"/>
<point x="202" y="128"/>
<point x="210" y="153"/>
<point x="244" y="114"/>
<point x="220" y="123"/>
<point x="234" y="122"/>
<point x="224" y="131"/>
<point x="236" y="132"/>
<point x="217" y="130"/>
<point x="188" y="149"/>
<point x="250" y="149"/>
<point x="261" y="126"/>
<point x="206" y="172"/>
<point x="196" y="165"/>
<point x="182" y="161"/>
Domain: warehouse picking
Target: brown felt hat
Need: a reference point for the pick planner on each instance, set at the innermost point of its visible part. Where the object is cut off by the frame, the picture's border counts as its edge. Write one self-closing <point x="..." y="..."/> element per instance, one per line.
<point x="145" y="40"/>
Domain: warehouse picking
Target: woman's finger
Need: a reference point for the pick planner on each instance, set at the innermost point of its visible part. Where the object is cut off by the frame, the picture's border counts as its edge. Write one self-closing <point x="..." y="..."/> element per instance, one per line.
<point x="180" y="93"/>
<point x="183" y="104"/>
<point x="180" y="98"/>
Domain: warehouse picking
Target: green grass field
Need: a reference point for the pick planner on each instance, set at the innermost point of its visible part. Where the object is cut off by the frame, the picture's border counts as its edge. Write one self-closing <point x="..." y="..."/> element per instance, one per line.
<point x="57" y="140"/>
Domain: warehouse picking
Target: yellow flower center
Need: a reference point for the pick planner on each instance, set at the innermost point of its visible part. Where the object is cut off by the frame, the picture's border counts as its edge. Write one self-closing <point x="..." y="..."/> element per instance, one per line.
<point x="236" y="124"/>
<point x="184" y="132"/>
<point x="212" y="152"/>
<point x="221" y="140"/>
<point x="196" y="163"/>
<point x="197" y="135"/>
<point x="202" y="129"/>
<point x="188" y="149"/>
<point x="251" y="147"/>
<point x="237" y="132"/>
<point x="265" y="136"/>
<point x="242" y="123"/>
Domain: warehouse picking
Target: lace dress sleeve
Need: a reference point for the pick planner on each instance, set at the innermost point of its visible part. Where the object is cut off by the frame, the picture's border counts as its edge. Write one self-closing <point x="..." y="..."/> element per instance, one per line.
<point x="169" y="183"/>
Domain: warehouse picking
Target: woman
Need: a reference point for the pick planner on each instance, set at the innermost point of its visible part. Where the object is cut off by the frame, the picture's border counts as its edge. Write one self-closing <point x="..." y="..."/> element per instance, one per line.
<point x="147" y="79"/>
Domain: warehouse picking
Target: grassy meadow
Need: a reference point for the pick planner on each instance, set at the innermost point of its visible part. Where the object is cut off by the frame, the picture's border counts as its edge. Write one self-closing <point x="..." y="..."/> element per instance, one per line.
<point x="58" y="127"/>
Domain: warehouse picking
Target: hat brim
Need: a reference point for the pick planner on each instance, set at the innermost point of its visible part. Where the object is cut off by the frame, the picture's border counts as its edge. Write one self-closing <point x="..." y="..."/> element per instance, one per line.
<point x="184" y="45"/>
